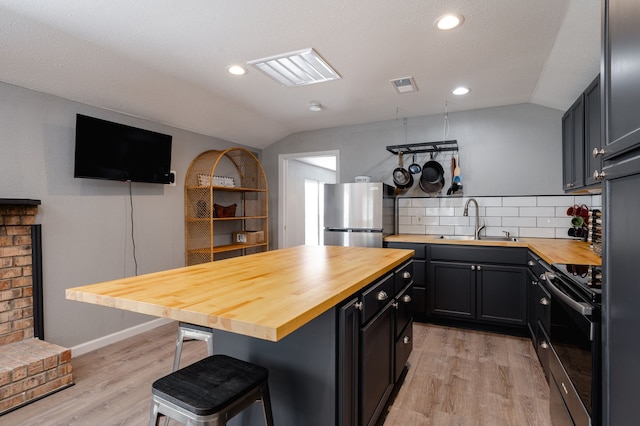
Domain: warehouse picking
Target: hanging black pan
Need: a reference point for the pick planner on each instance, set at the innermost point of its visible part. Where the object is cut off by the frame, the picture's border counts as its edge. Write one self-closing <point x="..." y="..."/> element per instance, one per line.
<point x="432" y="178"/>
<point x="401" y="177"/>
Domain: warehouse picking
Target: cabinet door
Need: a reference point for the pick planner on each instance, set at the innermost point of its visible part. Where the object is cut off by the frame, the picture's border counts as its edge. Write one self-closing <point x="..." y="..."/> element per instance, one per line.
<point x="376" y="365"/>
<point x="621" y="291"/>
<point x="573" y="146"/>
<point x="348" y="360"/>
<point x="532" y="319"/>
<point x="621" y="78"/>
<point x="502" y="294"/>
<point x="452" y="290"/>
<point x="419" y="286"/>
<point x="592" y="132"/>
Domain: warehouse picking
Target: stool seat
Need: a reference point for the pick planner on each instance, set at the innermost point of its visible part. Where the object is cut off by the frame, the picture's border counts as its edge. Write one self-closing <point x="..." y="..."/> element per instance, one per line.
<point x="211" y="391"/>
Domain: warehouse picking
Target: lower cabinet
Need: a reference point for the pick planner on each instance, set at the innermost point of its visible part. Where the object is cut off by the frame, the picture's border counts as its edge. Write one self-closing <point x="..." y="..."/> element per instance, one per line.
<point x="482" y="292"/>
<point x="374" y="342"/>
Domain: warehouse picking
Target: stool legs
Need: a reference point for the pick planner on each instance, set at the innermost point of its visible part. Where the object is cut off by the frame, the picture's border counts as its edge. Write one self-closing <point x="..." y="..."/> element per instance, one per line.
<point x="266" y="405"/>
<point x="188" y="331"/>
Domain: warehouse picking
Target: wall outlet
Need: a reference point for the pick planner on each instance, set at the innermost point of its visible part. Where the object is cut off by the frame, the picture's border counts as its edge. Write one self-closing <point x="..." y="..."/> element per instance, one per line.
<point x="420" y="220"/>
<point x="174" y="176"/>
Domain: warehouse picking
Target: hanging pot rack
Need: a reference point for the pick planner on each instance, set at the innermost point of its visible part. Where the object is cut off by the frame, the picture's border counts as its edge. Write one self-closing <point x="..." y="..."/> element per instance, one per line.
<point x="422" y="147"/>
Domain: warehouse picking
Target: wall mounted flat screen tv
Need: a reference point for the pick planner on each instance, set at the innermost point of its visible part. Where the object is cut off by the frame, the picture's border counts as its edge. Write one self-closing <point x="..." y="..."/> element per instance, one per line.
<point x="107" y="150"/>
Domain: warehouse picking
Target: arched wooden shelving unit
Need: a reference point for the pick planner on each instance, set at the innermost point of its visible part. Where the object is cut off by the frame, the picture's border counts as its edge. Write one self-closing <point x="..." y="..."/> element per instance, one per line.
<point x="209" y="236"/>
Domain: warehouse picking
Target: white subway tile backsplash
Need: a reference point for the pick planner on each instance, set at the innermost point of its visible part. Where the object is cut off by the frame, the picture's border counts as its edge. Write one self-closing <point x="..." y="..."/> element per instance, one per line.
<point x="454" y="220"/>
<point x="404" y="202"/>
<point x="538" y="211"/>
<point x="502" y="211"/>
<point x="425" y="202"/>
<point x="553" y="222"/>
<point x="519" y="201"/>
<point x="535" y="216"/>
<point x="519" y="221"/>
<point x="596" y="201"/>
<point x="556" y="201"/>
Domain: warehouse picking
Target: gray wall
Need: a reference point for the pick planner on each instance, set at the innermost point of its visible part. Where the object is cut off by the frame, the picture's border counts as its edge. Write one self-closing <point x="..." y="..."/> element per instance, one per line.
<point x="86" y="223"/>
<point x="511" y="150"/>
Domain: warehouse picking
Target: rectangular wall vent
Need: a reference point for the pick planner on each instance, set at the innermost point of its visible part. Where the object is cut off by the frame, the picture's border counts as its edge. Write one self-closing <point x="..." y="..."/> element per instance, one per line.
<point x="404" y="85"/>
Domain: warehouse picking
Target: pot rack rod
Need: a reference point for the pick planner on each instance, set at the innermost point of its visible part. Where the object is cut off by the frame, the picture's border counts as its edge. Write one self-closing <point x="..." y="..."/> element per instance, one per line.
<point x="421" y="147"/>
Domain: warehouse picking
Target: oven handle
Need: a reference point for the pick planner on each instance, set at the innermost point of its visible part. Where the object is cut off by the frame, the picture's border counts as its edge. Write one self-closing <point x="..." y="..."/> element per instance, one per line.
<point x="581" y="307"/>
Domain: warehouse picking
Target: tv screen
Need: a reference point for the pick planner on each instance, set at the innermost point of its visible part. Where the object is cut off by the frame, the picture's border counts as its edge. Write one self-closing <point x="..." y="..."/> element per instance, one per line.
<point x="106" y="150"/>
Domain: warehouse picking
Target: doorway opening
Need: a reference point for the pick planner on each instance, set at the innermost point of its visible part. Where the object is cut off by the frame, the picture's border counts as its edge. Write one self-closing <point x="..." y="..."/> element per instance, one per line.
<point x="301" y="181"/>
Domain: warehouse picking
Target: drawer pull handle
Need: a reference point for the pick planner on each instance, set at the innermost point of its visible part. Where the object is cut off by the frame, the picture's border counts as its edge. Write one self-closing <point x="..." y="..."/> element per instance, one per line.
<point x="358" y="305"/>
<point x="534" y="282"/>
<point x="395" y="305"/>
<point x="406" y="275"/>
<point x="564" y="388"/>
<point x="544" y="345"/>
<point x="406" y="298"/>
<point x="406" y="339"/>
<point x="382" y="295"/>
<point x="599" y="175"/>
<point x="531" y="263"/>
<point x="543" y="277"/>
<point x="596" y="152"/>
<point x="544" y="301"/>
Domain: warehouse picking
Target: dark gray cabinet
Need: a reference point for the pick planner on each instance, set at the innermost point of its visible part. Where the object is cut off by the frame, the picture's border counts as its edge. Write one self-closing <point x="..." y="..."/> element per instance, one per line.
<point x="593" y="133"/>
<point x="621" y="201"/>
<point x="419" y="274"/>
<point x="483" y="284"/>
<point x="374" y="342"/>
<point x="573" y="146"/>
<point x="581" y="135"/>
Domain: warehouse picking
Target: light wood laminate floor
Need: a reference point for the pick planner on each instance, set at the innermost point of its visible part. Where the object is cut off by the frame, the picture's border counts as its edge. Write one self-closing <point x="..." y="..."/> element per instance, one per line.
<point x="456" y="377"/>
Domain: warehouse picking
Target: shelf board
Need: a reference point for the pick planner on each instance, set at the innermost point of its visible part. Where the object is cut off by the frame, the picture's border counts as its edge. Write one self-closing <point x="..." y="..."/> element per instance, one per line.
<point x="206" y="219"/>
<point x="226" y="188"/>
<point x="224" y="248"/>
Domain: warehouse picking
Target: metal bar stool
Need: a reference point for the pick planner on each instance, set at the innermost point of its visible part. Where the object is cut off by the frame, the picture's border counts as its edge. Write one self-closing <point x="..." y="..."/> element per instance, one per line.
<point x="191" y="331"/>
<point x="210" y="392"/>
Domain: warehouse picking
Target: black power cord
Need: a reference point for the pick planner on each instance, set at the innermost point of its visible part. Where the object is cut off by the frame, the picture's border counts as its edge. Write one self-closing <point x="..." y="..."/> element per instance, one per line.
<point x="133" y="239"/>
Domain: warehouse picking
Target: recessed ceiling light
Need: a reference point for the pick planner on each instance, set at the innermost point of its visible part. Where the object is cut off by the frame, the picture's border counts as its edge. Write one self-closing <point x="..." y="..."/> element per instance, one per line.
<point x="461" y="91"/>
<point x="449" y="21"/>
<point x="236" y="70"/>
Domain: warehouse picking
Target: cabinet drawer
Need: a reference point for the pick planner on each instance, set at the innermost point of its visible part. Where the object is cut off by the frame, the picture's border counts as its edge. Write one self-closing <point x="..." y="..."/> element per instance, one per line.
<point x="376" y="297"/>
<point x="403" y="276"/>
<point x="404" y="308"/>
<point x="404" y="346"/>
<point x="535" y="264"/>
<point x="420" y="249"/>
<point x="479" y="254"/>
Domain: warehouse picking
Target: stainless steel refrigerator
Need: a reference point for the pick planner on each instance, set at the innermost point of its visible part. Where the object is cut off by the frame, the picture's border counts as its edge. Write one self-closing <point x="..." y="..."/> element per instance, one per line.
<point x="358" y="214"/>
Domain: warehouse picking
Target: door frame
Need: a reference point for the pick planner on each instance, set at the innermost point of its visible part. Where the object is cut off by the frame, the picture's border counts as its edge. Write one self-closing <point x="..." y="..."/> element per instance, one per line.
<point x="283" y="175"/>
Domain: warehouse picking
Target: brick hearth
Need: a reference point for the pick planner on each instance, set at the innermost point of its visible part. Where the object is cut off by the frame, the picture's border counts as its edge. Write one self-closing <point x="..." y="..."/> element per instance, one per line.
<point x="30" y="368"/>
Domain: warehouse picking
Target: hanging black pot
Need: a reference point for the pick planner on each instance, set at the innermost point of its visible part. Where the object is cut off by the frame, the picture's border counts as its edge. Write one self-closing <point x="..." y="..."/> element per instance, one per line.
<point x="401" y="177"/>
<point x="432" y="178"/>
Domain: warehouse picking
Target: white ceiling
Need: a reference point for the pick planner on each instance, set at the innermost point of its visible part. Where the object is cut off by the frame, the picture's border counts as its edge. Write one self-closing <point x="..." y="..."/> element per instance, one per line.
<point x="165" y="60"/>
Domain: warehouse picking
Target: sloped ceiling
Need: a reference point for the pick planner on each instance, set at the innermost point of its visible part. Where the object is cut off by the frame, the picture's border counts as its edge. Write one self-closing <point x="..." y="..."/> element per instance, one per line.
<point x="165" y="60"/>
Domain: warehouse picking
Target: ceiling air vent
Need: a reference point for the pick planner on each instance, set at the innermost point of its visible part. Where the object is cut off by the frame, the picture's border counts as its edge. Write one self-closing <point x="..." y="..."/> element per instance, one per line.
<point x="296" y="68"/>
<point x="405" y="84"/>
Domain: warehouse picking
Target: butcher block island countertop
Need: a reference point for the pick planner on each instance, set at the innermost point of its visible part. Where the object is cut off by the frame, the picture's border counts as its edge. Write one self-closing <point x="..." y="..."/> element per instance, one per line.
<point x="266" y="295"/>
<point x="551" y="250"/>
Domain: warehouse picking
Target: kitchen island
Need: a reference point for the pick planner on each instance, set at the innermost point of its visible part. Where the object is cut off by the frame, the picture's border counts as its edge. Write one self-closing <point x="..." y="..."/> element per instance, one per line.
<point x="278" y="309"/>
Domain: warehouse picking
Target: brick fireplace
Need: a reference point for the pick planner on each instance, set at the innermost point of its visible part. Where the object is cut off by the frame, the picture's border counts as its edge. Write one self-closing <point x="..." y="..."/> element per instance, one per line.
<point x="30" y="368"/>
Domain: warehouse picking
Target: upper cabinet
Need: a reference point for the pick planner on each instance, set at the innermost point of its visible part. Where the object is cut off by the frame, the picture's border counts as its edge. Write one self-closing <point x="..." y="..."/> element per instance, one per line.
<point x="622" y="81"/>
<point x="581" y="140"/>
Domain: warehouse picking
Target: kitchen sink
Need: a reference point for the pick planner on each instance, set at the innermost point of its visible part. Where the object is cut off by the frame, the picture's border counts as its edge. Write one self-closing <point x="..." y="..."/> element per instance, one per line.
<point x="456" y="237"/>
<point x="471" y="238"/>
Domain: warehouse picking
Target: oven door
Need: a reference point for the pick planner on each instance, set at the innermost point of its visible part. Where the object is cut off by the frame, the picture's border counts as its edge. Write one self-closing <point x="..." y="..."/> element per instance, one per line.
<point x="573" y="362"/>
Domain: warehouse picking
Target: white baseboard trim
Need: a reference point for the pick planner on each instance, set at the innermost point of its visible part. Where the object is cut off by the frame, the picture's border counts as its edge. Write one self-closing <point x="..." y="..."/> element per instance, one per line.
<point x="101" y="342"/>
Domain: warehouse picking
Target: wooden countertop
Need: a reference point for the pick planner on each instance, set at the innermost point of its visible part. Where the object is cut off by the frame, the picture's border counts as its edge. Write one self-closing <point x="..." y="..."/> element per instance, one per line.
<point x="266" y="295"/>
<point x="551" y="250"/>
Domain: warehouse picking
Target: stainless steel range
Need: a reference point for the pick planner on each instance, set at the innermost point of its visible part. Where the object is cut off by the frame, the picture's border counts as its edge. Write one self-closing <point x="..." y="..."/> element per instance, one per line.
<point x="575" y="363"/>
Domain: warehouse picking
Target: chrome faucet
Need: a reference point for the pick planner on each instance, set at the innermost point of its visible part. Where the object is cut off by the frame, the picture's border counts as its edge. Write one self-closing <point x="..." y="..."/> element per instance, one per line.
<point x="477" y="228"/>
